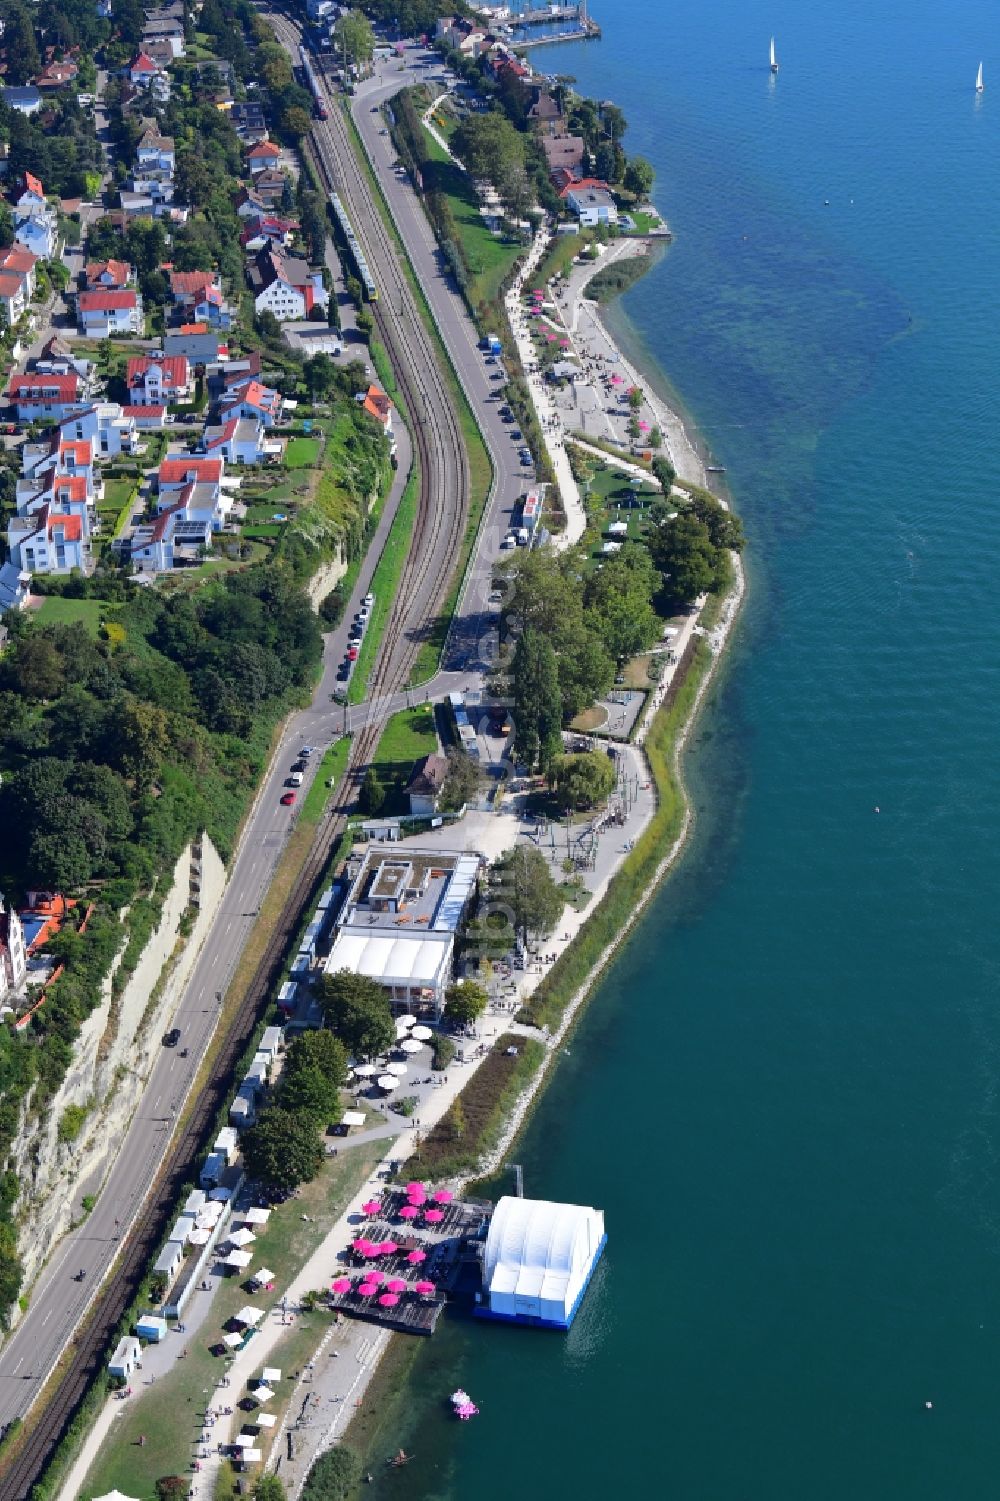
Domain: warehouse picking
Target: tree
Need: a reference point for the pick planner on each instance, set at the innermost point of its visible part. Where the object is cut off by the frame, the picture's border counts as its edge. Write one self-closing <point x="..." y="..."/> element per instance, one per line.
<point x="639" y="177"/>
<point x="487" y="938"/>
<point x="665" y="472"/>
<point x="537" y="699"/>
<point x="20" y="47"/>
<point x="461" y="782"/>
<point x="59" y="860"/>
<point x="353" y="38"/>
<point x="142" y="740"/>
<point x="334" y="1476"/>
<point x="465" y="1002"/>
<point x="635" y="398"/>
<point x="684" y="553"/>
<point x="283" y="1149"/>
<point x="724" y="528"/>
<point x="584" y="779"/>
<point x="457" y="1120"/>
<point x="269" y="1488"/>
<point x="315" y="1071"/>
<point x="172" y="1487"/>
<point x="490" y="147"/>
<point x="523" y="882"/>
<point x="38" y="667"/>
<point x="320" y="375"/>
<point x="618" y="598"/>
<point x="296" y="122"/>
<point x="371" y="798"/>
<point x="358" y="1010"/>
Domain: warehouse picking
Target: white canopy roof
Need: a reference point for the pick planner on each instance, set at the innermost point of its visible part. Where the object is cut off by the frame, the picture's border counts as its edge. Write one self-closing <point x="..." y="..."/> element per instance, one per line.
<point x="255" y="1215"/>
<point x="263" y="1275"/>
<point x="391" y="958"/>
<point x="250" y="1315"/>
<point x="232" y="1340"/>
<point x="239" y="1259"/>
<point x="245" y="1440"/>
<point x="352" y="1118"/>
<point x="270" y="1373"/>
<point x="265" y="1419"/>
<point x="539" y="1255"/>
<point x="242" y="1237"/>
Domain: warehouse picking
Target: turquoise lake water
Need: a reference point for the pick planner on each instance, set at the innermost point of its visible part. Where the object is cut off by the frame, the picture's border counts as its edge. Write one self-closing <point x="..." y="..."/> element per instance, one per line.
<point x="785" y="1095"/>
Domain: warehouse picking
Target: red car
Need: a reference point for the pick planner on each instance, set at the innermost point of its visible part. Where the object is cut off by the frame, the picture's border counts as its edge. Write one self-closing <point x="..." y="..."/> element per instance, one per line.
<point x="287" y="799"/>
<point x="352" y="654"/>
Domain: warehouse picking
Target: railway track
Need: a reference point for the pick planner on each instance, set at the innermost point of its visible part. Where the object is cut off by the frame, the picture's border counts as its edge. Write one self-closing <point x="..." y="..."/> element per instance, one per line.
<point x="441" y="515"/>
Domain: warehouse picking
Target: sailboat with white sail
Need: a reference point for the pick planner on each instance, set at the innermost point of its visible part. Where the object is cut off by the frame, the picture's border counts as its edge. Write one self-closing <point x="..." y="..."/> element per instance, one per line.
<point x="774" y="60"/>
<point x="979" y="80"/>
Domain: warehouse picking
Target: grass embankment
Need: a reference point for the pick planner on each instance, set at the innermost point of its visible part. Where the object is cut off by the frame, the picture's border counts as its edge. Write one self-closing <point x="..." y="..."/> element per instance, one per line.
<point x="475" y="1123"/>
<point x="616" y="278"/>
<point x="638" y="873"/>
<point x="385" y="583"/>
<point x="480" y="464"/>
<point x="170" y="1413"/>
<point x="488" y="256"/>
<point x="329" y="771"/>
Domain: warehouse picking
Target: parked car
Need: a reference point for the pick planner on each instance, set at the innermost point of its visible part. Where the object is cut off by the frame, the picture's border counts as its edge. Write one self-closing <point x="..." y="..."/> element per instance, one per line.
<point x="509" y="543"/>
<point x="287" y="799"/>
<point x="172" y="1038"/>
<point x="299" y="766"/>
<point x="306" y="751"/>
<point x="295" y="780"/>
<point x="352" y="653"/>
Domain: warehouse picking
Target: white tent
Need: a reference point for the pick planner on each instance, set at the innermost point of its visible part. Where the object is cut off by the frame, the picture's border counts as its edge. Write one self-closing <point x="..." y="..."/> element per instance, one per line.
<point x="263" y="1276"/>
<point x="539" y="1258"/>
<point x="238" y="1260"/>
<point x="115" y="1496"/>
<point x="265" y="1419"/>
<point x="352" y="1118"/>
<point x="249" y="1315"/>
<point x="270" y="1373"/>
<point x="255" y="1215"/>
<point x="232" y="1340"/>
<point x="244" y="1440"/>
<point x="242" y="1238"/>
<point x="200" y="1236"/>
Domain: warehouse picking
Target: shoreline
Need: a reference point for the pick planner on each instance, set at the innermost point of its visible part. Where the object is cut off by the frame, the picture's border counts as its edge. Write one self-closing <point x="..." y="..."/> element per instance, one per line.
<point x="685" y="456"/>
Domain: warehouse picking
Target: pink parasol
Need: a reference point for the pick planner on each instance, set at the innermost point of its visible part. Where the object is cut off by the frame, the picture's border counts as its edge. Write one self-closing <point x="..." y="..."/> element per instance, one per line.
<point x="443" y="1196"/>
<point x="644" y="426"/>
<point x="433" y="1216"/>
<point x="367" y="1290"/>
<point x="416" y="1196"/>
<point x="416" y="1257"/>
<point x="424" y="1287"/>
<point x="341" y="1284"/>
<point x="388" y="1300"/>
<point x="362" y="1246"/>
<point x="372" y="1207"/>
<point x="416" y="1187"/>
<point x="564" y="343"/>
<point x="387" y="1247"/>
<point x="409" y="1212"/>
<point x="396" y="1284"/>
<point x="373" y="1250"/>
<point x="616" y="380"/>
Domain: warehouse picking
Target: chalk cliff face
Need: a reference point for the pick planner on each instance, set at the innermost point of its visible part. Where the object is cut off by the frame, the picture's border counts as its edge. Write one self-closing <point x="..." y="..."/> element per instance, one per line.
<point x="327" y="575"/>
<point x="114" y="1054"/>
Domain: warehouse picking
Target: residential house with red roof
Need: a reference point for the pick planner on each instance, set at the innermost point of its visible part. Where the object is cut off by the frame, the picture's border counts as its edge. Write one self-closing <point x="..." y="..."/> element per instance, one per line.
<point x="101" y="314"/>
<point x="199" y="293"/>
<point x="377" y="405"/>
<point x="251" y="398"/>
<point x="158" y="380"/>
<point x="48" y="541"/>
<point x="142" y="70"/>
<point x="174" y="539"/>
<point x="37" y="395"/>
<point x="200" y="482"/>
<point x="286" y="286"/>
<point x="240" y="440"/>
<point x="180" y="469"/>
<point x="261" y="156"/>
<point x="56" y="76"/>
<point x="108" y="276"/>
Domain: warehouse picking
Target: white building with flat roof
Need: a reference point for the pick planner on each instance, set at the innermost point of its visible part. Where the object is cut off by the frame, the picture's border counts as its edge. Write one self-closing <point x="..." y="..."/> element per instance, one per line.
<point x="399" y="921"/>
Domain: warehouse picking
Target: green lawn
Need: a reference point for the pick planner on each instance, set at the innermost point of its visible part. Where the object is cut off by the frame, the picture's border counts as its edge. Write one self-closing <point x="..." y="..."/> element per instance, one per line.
<point x="406" y="737"/>
<point x="116" y="493"/>
<point x="264" y="529"/>
<point x="645" y="222"/>
<point x="385" y="584"/>
<point x="609" y="488"/>
<point x="301" y="453"/>
<point x="331" y="768"/>
<point x="169" y="1413"/>
<point x="489" y="256"/>
<point x="86" y="612"/>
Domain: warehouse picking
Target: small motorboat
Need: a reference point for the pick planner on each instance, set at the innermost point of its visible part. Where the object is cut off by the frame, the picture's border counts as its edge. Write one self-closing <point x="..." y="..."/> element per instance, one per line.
<point x="402" y="1458"/>
<point x="463" y="1406"/>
